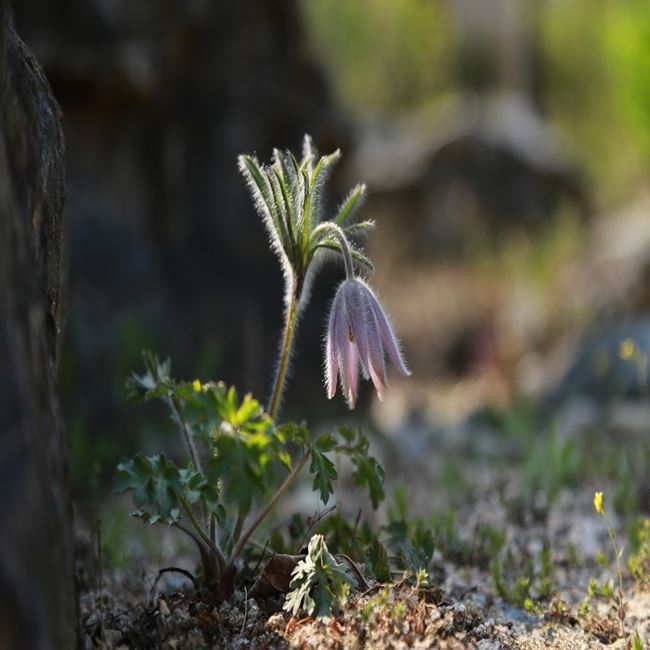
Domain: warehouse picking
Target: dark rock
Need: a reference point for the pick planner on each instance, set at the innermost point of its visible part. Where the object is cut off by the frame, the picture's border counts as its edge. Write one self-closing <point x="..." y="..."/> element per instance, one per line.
<point x="611" y="364"/>
<point x="276" y="576"/>
<point x="479" y="165"/>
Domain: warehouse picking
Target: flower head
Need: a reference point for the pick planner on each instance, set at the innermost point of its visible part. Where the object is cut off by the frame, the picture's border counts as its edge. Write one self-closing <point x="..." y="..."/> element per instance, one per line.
<point x="626" y="349"/>
<point x="598" y="503"/>
<point x="358" y="333"/>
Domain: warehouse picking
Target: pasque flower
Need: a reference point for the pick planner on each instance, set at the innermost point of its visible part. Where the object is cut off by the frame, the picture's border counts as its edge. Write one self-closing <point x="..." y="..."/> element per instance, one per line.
<point x="357" y="335"/>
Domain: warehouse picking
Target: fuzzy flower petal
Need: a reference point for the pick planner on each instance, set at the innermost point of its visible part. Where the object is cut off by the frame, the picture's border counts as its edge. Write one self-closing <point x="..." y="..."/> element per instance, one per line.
<point x="387" y="335"/>
<point x="331" y="352"/>
<point x="357" y="334"/>
<point x="350" y="373"/>
<point x="377" y="365"/>
<point x="358" y="317"/>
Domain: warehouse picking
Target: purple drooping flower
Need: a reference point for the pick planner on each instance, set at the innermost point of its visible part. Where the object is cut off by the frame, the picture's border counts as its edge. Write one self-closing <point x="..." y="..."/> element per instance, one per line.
<point x="358" y="333"/>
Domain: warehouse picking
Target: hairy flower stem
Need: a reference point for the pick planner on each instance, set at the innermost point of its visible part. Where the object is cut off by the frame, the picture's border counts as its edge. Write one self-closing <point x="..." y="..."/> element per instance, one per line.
<point x="269" y="506"/>
<point x="336" y="232"/>
<point x="290" y="320"/>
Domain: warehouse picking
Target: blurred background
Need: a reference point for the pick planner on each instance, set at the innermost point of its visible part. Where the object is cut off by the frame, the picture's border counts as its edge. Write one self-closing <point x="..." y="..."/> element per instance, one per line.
<point x="506" y="146"/>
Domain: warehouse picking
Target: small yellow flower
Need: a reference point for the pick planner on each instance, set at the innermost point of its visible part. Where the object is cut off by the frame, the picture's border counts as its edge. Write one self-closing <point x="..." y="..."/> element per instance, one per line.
<point x="196" y="385"/>
<point x="626" y="349"/>
<point x="598" y="503"/>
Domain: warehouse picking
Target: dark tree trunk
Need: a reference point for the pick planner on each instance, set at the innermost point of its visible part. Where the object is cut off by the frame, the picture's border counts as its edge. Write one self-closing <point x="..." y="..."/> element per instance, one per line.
<point x="37" y="598"/>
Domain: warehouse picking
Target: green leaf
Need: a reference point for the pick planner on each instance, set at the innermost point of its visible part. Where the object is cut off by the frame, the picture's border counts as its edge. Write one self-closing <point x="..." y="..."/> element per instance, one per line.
<point x="326" y="443"/>
<point x="413" y="545"/>
<point x="287" y="179"/>
<point x="298" y="190"/>
<point x="347" y="433"/>
<point x="147" y="517"/>
<point x="317" y="180"/>
<point x="358" y="228"/>
<point x="261" y="189"/>
<point x="319" y="582"/>
<point x="367" y="471"/>
<point x="637" y="642"/>
<point x="242" y="463"/>
<point x="370" y="473"/>
<point x="155" y="382"/>
<point x="249" y="411"/>
<point x="357" y="255"/>
<point x="157" y="485"/>
<point x="377" y="560"/>
<point x="324" y="473"/>
<point x="155" y="482"/>
<point x="297" y="433"/>
<point x="304" y="217"/>
<point x="286" y="207"/>
<point x="309" y="152"/>
<point x="351" y="203"/>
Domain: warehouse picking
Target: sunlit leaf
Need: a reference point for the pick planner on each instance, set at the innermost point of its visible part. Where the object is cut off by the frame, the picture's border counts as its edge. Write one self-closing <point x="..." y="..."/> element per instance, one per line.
<point x="351" y="203"/>
<point x="318" y="583"/>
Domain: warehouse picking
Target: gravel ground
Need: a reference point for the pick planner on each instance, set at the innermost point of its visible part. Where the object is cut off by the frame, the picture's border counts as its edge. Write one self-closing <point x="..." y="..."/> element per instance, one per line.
<point x="461" y="606"/>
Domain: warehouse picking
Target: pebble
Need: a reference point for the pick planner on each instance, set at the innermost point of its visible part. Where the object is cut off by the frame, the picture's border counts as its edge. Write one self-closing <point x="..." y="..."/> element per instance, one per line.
<point x="253" y="609"/>
<point x="275" y="622"/>
<point x="483" y="629"/>
<point x="163" y="607"/>
<point x="489" y="644"/>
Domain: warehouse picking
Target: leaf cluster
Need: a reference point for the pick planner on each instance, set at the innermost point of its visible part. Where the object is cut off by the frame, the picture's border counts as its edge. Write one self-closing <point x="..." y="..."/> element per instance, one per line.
<point x="367" y="471"/>
<point x="319" y="582"/>
<point x="243" y="448"/>
<point x="639" y="562"/>
<point x="243" y="460"/>
<point x="524" y="584"/>
<point x="160" y="487"/>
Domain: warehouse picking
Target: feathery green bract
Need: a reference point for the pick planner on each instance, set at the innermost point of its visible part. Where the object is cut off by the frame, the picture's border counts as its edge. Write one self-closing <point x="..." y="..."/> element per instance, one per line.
<point x="288" y="195"/>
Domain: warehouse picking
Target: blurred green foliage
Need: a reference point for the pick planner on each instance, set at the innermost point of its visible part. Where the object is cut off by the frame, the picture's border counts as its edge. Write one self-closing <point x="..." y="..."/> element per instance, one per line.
<point x="596" y="85"/>
<point x="383" y="56"/>
<point x="592" y="60"/>
<point x="628" y="56"/>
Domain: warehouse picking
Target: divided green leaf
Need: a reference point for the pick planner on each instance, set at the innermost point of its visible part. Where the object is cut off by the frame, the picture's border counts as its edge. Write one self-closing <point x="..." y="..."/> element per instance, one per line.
<point x="319" y="582"/>
<point x="324" y="473"/>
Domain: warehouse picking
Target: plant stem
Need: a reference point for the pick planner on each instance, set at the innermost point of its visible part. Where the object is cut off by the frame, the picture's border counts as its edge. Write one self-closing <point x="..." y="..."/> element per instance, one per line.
<point x="187" y="436"/>
<point x="208" y="556"/>
<point x="239" y="524"/>
<point x="188" y="532"/>
<point x="290" y="320"/>
<point x="619" y="570"/>
<point x="336" y="232"/>
<point x="201" y="533"/>
<point x="213" y="528"/>
<point x="269" y="506"/>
